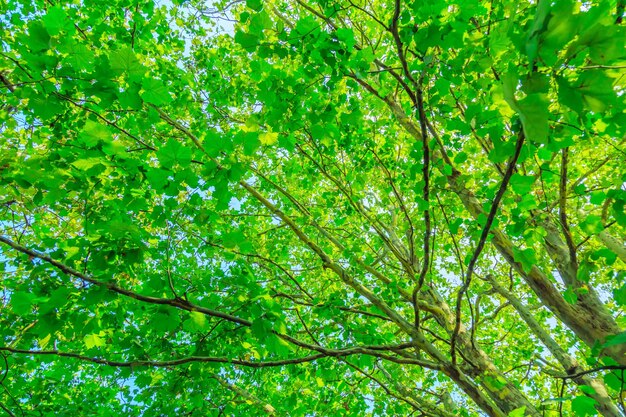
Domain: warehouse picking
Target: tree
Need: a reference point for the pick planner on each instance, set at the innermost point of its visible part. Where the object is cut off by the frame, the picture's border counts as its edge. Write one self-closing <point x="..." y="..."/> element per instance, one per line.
<point x="319" y="208"/>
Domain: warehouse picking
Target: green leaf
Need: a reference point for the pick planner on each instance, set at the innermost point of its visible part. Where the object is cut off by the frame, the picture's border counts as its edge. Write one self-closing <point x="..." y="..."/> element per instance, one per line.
<point x="79" y="56"/>
<point x="460" y="158"/>
<point x="584" y="406"/>
<point x="21" y="302"/>
<point x="604" y="43"/>
<point x="38" y="39"/>
<point x="93" y="340"/>
<point x="268" y="138"/>
<point x="255" y="5"/>
<point x="94" y="133"/>
<point x="158" y="178"/>
<point x="346" y="35"/>
<point x="587" y="389"/>
<point x="130" y="98"/>
<point x="198" y="318"/>
<point x="613" y="380"/>
<point x="563" y="24"/>
<point x="495" y="383"/>
<point x="596" y="88"/>
<point x="165" y="321"/>
<point x="518" y="412"/>
<point x="534" y="114"/>
<point x="174" y="153"/>
<point x="615" y="340"/>
<point x="532" y="109"/>
<point x="55" y="20"/>
<point x="58" y="298"/>
<point x="259" y="23"/>
<point x="261" y="329"/>
<point x="570" y="96"/>
<point x="570" y="295"/>
<point x="155" y="92"/>
<point x="246" y="40"/>
<point x="592" y="224"/>
<point x="86" y="164"/>
<point x="620" y="295"/>
<point x="522" y="184"/>
<point x="536" y="83"/>
<point x="525" y="257"/>
<point x="124" y="61"/>
<point x="597" y="197"/>
<point x="46" y="106"/>
<point x="540" y="22"/>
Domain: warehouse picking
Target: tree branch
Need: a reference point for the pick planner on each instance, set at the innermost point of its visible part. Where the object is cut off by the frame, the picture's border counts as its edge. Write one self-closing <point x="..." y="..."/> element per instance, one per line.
<point x="562" y="211"/>
<point x="174" y="302"/>
<point x="483" y="238"/>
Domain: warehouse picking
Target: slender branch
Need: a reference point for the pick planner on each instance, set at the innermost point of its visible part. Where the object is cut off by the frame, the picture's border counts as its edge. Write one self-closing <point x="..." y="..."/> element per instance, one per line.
<point x="375" y="223"/>
<point x="403" y="207"/>
<point x="163" y="364"/>
<point x="562" y="213"/>
<point x="6" y="410"/>
<point x="385" y="388"/>
<point x="174" y="302"/>
<point x="107" y="121"/>
<point x="6" y="368"/>
<point x="6" y="82"/>
<point x="591" y="371"/>
<point x="370" y="14"/>
<point x="418" y="101"/>
<point x="268" y="408"/>
<point x="483" y="240"/>
<point x="609" y="67"/>
<point x="621" y="5"/>
<point x="342" y="308"/>
<point x="323" y="353"/>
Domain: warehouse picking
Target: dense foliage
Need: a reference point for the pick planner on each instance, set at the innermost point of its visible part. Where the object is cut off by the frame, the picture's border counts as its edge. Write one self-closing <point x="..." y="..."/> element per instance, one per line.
<point x="312" y="207"/>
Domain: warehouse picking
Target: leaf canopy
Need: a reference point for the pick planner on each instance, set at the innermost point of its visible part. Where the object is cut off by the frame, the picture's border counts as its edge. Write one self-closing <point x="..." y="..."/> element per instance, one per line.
<point x="313" y="208"/>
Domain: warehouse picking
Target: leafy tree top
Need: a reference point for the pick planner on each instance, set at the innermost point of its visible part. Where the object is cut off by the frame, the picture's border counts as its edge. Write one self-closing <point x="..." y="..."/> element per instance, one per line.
<point x="312" y="208"/>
